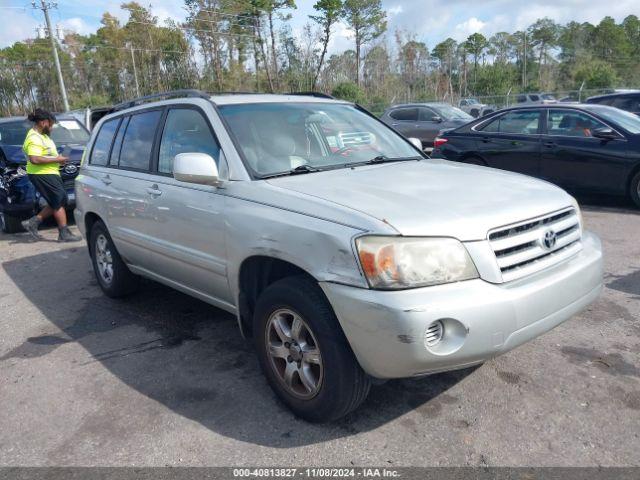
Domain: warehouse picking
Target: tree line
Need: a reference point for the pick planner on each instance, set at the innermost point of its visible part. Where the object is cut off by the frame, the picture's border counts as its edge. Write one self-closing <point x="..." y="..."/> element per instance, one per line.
<point x="249" y="45"/>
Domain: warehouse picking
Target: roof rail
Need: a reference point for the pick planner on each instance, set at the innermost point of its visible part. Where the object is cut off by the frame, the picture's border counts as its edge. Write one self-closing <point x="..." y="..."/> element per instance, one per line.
<point x="161" y="96"/>
<point x="312" y="94"/>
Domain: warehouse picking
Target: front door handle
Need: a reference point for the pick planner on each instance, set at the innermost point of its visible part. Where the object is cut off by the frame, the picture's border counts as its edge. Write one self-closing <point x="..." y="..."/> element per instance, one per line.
<point x="107" y="179"/>
<point x="549" y="144"/>
<point x="486" y="140"/>
<point x="154" y="191"/>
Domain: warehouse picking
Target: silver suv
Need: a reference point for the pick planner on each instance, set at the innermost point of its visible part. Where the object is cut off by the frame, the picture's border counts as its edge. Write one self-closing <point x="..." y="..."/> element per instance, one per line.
<point x="344" y="252"/>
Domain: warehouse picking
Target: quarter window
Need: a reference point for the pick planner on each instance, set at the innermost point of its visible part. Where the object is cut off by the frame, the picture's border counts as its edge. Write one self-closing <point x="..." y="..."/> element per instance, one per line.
<point x="516" y="122"/>
<point x="569" y="123"/>
<point x="102" y="145"/>
<point x="405" y="114"/>
<point x="185" y="131"/>
<point x="138" y="140"/>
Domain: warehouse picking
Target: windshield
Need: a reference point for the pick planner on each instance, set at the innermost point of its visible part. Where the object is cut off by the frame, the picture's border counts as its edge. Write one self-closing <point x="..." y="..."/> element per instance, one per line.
<point x="452" y="113"/>
<point x="279" y="137"/>
<point x="627" y="120"/>
<point x="472" y="101"/>
<point x="65" y="131"/>
<point x="547" y="96"/>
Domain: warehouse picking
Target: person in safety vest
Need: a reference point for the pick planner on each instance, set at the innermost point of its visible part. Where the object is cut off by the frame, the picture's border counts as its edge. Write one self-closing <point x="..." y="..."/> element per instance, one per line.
<point x="43" y="169"/>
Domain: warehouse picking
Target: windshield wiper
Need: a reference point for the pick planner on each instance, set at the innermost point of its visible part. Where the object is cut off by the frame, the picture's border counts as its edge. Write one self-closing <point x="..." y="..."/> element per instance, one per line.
<point x="300" y="169"/>
<point x="381" y="159"/>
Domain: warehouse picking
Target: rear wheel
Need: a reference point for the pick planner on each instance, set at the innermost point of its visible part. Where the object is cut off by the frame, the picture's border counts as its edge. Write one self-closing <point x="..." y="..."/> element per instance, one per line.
<point x="114" y="277"/>
<point x="304" y="353"/>
<point x="10" y="224"/>
<point x="634" y="189"/>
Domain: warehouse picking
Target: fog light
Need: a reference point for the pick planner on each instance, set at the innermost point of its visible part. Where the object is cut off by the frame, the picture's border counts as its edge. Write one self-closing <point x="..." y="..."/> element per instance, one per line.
<point x="434" y="333"/>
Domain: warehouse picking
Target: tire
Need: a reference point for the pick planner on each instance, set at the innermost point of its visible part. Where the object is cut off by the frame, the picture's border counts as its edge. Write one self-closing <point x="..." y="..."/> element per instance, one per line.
<point x="475" y="161"/>
<point x="10" y="224"/>
<point x="114" y="277"/>
<point x="634" y="189"/>
<point x="340" y="384"/>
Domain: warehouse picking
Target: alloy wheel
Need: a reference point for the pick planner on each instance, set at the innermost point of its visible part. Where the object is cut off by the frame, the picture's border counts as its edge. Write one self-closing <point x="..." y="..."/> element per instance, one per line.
<point x="294" y="353"/>
<point x="104" y="259"/>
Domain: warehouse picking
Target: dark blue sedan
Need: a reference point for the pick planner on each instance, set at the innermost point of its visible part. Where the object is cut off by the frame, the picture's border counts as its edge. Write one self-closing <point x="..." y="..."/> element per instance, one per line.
<point x="18" y="198"/>
<point x="589" y="148"/>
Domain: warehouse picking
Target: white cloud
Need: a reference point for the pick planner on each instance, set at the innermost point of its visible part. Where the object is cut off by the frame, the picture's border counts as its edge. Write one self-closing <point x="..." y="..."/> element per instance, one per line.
<point x="468" y="27"/>
<point x="77" y="25"/>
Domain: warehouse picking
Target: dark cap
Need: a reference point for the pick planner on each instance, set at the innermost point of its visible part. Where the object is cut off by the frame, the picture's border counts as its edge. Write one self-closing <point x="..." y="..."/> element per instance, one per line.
<point x="39" y="114"/>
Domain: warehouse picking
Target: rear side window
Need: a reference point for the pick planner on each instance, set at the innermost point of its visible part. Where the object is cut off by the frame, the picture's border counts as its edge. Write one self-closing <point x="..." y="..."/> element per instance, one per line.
<point x="534" y="98"/>
<point x="405" y="114"/>
<point x="185" y="131"/>
<point x="521" y="99"/>
<point x="138" y="140"/>
<point x="427" y="115"/>
<point x="522" y="123"/>
<point x="102" y="145"/>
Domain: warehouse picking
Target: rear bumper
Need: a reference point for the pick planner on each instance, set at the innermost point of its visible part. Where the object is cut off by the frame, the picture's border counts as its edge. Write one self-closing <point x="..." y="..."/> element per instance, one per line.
<point x="481" y="320"/>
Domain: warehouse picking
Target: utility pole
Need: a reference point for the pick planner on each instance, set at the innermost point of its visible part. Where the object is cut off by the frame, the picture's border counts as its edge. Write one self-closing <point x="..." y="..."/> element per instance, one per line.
<point x="135" y="72"/>
<point x="524" y="71"/>
<point x="45" y="6"/>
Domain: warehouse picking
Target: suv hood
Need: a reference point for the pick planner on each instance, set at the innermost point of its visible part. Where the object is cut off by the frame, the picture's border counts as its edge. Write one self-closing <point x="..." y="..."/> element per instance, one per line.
<point x="433" y="197"/>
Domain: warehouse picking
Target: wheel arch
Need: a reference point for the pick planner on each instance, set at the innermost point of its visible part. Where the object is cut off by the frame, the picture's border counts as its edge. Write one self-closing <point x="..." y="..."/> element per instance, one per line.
<point x="634" y="171"/>
<point x="90" y="219"/>
<point x="255" y="274"/>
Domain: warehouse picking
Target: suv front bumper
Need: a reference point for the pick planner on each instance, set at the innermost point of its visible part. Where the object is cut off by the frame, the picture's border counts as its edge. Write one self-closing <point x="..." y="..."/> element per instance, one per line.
<point x="386" y="329"/>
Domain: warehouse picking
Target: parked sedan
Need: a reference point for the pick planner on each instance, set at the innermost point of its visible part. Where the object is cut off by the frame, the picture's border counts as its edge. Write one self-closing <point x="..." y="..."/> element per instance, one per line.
<point x="424" y="120"/>
<point x="591" y="148"/>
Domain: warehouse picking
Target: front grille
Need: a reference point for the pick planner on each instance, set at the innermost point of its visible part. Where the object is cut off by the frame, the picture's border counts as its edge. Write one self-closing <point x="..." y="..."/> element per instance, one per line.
<point x="521" y="248"/>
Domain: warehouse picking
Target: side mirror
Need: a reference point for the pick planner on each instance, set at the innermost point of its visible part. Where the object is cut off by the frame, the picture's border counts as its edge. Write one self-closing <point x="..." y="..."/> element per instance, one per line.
<point x="197" y="168"/>
<point x="604" y="133"/>
<point x="436" y="119"/>
<point x="416" y="142"/>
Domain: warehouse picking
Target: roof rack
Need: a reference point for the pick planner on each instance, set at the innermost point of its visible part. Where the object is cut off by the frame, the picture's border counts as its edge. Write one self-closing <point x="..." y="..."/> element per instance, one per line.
<point x="312" y="94"/>
<point x="161" y="96"/>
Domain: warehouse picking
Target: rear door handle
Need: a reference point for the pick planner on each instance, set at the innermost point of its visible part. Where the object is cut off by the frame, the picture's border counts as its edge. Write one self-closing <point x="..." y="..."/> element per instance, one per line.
<point x="486" y="140"/>
<point x="549" y="144"/>
<point x="107" y="179"/>
<point x="154" y="191"/>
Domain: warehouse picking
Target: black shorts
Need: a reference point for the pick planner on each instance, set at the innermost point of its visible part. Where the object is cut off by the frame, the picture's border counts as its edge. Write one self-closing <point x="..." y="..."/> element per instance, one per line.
<point x="51" y="188"/>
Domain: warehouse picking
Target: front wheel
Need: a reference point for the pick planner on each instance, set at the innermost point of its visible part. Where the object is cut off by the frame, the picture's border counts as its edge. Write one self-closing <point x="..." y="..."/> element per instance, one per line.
<point x="634" y="189"/>
<point x="304" y="353"/>
<point x="114" y="277"/>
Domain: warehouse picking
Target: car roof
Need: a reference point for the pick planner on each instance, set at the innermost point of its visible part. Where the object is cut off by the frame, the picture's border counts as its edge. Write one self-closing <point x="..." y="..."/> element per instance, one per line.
<point x="420" y="104"/>
<point x="615" y="94"/>
<point x="239" y="98"/>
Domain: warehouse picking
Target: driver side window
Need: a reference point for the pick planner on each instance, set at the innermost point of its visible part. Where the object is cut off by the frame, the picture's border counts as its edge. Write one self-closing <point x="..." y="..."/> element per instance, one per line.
<point x="569" y="123"/>
<point x="185" y="131"/>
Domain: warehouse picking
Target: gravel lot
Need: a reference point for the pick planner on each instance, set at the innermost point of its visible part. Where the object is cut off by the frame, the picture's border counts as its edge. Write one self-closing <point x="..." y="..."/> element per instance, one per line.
<point x="162" y="379"/>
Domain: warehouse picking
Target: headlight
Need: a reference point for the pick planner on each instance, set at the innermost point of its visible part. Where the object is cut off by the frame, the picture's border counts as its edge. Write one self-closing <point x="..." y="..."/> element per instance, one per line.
<point x="405" y="262"/>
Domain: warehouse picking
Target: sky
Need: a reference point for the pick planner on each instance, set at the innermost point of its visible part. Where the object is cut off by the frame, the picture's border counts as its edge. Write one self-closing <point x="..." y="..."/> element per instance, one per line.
<point x="430" y="21"/>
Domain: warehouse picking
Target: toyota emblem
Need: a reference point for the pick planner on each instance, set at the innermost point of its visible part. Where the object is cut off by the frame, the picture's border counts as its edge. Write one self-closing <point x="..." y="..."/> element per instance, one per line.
<point x="70" y="169"/>
<point x="549" y="239"/>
